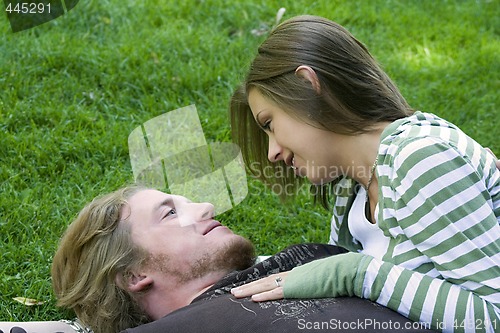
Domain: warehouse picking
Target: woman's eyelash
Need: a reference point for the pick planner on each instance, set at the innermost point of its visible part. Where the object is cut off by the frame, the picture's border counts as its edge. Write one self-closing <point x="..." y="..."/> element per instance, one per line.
<point x="265" y="126"/>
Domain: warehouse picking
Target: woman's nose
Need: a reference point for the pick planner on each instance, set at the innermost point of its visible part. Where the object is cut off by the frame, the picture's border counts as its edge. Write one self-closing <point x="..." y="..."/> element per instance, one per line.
<point x="275" y="152"/>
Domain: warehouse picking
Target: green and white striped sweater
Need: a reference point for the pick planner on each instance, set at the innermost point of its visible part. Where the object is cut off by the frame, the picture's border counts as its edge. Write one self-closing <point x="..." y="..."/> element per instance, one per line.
<point x="439" y="203"/>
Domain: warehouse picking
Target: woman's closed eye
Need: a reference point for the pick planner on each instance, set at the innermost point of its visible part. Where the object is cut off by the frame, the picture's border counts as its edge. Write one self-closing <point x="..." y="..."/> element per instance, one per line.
<point x="266" y="126"/>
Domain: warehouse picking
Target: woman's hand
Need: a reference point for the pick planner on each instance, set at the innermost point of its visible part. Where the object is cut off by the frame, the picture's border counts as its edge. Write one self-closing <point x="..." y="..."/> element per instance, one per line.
<point x="269" y="288"/>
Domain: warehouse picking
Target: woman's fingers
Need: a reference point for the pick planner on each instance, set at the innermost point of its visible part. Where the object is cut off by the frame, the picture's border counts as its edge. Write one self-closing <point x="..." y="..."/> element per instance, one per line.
<point x="276" y="293"/>
<point x="265" y="289"/>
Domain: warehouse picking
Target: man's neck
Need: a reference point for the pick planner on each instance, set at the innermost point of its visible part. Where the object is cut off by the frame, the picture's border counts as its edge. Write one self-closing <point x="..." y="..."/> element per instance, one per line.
<point x="164" y="298"/>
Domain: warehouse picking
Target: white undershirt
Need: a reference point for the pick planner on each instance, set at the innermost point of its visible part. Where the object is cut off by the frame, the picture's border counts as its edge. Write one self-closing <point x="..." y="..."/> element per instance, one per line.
<point x="369" y="234"/>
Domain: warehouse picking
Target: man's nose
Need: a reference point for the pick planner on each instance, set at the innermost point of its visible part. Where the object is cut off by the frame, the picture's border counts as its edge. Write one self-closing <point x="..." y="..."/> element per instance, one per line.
<point x="275" y="152"/>
<point x="202" y="211"/>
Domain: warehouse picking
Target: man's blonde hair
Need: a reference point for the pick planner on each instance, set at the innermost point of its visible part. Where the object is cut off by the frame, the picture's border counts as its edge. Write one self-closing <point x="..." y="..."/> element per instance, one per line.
<point x="94" y="252"/>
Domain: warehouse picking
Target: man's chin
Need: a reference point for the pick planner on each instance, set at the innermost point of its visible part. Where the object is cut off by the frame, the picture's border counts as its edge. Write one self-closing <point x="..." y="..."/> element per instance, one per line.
<point x="238" y="255"/>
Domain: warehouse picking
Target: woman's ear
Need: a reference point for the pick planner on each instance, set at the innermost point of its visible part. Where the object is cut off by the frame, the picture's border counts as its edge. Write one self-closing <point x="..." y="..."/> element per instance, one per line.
<point x="308" y="74"/>
<point x="134" y="282"/>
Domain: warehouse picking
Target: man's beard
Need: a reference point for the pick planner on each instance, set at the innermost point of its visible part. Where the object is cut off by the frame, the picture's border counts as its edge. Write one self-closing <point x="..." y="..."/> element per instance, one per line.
<point x="237" y="254"/>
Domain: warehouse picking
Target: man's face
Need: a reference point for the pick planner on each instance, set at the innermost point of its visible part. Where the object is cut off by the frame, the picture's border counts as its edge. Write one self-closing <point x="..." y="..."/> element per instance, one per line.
<point x="182" y="237"/>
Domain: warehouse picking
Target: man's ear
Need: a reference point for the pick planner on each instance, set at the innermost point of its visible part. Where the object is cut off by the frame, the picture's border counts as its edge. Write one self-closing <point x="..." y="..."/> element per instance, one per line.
<point x="134" y="282"/>
<point x="308" y="74"/>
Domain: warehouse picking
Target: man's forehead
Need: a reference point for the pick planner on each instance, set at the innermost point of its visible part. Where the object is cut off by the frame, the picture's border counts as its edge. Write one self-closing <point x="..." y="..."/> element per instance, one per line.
<point x="153" y="200"/>
<point x="142" y="202"/>
<point x="147" y="195"/>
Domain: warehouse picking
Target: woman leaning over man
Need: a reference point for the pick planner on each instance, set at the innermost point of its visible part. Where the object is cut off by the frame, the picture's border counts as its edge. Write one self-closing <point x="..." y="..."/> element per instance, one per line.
<point x="415" y="200"/>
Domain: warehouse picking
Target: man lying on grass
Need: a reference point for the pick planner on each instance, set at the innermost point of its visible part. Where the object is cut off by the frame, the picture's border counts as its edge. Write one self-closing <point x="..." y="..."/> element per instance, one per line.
<point x="157" y="262"/>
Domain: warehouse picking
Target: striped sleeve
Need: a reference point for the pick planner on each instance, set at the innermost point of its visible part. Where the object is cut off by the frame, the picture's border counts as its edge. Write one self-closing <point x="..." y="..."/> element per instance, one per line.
<point x="443" y="216"/>
<point x="417" y="296"/>
<point x="439" y="203"/>
<point x="422" y="298"/>
<point x="444" y="209"/>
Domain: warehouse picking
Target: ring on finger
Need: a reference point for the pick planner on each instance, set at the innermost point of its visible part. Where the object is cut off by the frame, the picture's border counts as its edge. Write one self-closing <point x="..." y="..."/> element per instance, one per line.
<point x="278" y="281"/>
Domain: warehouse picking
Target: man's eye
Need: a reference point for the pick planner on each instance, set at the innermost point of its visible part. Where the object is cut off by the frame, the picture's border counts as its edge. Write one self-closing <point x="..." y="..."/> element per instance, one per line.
<point x="170" y="212"/>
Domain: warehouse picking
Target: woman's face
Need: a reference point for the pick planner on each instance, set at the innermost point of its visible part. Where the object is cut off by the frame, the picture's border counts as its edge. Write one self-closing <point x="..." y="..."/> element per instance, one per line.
<point x="313" y="152"/>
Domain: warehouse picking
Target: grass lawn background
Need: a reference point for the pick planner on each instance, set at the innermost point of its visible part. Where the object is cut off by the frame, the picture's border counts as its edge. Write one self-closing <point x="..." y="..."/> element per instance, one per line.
<point x="73" y="89"/>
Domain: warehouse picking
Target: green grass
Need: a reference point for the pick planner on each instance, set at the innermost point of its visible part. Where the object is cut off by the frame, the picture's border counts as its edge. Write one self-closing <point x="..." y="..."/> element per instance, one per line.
<point x="73" y="89"/>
